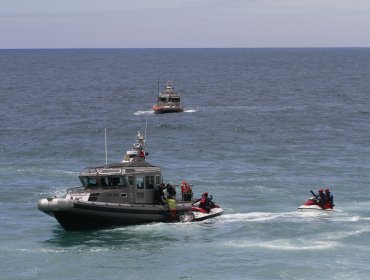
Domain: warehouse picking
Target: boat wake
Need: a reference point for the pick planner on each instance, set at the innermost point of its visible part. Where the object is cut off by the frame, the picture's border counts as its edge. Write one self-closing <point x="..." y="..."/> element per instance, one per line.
<point x="141" y="113"/>
<point x="151" y="112"/>
<point x="286" y="244"/>
<point x="294" y="216"/>
<point x="190" y="110"/>
<point x="257" y="217"/>
<point x="310" y="240"/>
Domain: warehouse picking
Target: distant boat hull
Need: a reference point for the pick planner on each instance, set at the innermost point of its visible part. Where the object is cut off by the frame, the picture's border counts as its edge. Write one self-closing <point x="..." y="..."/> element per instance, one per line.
<point x="163" y="109"/>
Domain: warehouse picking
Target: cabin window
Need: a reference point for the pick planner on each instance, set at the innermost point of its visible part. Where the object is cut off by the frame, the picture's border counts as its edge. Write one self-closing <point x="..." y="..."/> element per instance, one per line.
<point x="88" y="181"/>
<point x="157" y="180"/>
<point x="149" y="182"/>
<point x="122" y="182"/>
<point x="131" y="180"/>
<point x="104" y="181"/>
<point x="139" y="182"/>
<point x="116" y="181"/>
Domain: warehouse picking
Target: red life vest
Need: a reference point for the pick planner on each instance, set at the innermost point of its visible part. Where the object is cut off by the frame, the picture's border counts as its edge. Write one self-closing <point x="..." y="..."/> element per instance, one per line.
<point x="203" y="201"/>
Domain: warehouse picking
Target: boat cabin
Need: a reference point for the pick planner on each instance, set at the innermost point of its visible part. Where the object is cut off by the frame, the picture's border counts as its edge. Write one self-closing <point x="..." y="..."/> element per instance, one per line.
<point x="132" y="182"/>
<point x="168" y="99"/>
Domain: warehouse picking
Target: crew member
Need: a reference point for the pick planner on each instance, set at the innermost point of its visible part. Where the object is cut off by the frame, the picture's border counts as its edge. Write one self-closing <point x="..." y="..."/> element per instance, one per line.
<point x="159" y="196"/>
<point x="171" y="192"/>
<point x="321" y="198"/>
<point x="205" y="202"/>
<point x="186" y="191"/>
<point x="185" y="188"/>
<point x="142" y="154"/>
<point x="329" y="198"/>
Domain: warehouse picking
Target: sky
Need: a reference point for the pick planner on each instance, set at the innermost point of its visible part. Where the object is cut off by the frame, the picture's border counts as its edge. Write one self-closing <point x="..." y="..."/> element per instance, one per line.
<point x="28" y="24"/>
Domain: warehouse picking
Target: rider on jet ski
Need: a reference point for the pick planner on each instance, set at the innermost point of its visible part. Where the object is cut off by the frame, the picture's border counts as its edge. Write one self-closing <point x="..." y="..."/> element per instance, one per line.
<point x="325" y="200"/>
<point x="329" y="198"/>
<point x="206" y="202"/>
<point x="321" y="198"/>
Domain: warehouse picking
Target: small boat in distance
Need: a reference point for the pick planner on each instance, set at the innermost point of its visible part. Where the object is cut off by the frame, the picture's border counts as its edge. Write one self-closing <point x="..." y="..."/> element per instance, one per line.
<point x="168" y="101"/>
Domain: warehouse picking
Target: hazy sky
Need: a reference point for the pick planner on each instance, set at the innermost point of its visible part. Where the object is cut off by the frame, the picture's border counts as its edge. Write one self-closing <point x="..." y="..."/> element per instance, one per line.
<point x="184" y="23"/>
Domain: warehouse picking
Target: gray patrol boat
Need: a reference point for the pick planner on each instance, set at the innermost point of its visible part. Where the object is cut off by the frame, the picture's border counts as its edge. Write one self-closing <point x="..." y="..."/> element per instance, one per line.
<point x="168" y="101"/>
<point x="128" y="192"/>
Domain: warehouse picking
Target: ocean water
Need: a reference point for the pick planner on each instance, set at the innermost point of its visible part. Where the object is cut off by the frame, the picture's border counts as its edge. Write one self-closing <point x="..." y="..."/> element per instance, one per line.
<point x="262" y="127"/>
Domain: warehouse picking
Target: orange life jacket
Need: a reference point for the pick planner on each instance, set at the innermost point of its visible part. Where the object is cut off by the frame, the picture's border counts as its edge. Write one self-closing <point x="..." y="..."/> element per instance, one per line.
<point x="185" y="188"/>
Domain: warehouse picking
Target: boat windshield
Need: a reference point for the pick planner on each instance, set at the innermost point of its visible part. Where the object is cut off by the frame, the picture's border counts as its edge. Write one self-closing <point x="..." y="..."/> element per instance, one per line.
<point x="88" y="181"/>
<point x="105" y="182"/>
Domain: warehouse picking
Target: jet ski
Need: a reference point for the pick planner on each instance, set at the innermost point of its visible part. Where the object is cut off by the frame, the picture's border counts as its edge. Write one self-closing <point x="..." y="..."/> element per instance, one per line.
<point x="312" y="204"/>
<point x="200" y="214"/>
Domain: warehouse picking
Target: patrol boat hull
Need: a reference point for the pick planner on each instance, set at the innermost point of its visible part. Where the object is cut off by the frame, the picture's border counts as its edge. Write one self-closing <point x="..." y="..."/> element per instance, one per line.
<point x="158" y="109"/>
<point x="81" y="215"/>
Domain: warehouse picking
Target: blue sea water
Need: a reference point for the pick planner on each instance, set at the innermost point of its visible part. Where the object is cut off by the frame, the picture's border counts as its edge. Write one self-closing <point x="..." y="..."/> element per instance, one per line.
<point x="262" y="127"/>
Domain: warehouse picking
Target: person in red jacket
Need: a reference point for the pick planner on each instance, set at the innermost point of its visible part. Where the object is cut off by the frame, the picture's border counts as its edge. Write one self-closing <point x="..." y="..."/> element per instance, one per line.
<point x="206" y="202"/>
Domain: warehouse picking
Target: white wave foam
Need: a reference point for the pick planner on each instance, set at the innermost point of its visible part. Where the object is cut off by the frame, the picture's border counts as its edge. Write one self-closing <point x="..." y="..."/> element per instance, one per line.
<point x="190" y="111"/>
<point x="140" y="113"/>
<point x="294" y="216"/>
<point x="285" y="244"/>
<point x="338" y="235"/>
<point x="151" y="227"/>
<point x="62" y="251"/>
<point x="335" y="216"/>
<point x="257" y="216"/>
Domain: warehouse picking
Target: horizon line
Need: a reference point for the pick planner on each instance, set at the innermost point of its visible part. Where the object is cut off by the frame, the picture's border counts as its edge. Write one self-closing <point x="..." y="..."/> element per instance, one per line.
<point x="164" y="48"/>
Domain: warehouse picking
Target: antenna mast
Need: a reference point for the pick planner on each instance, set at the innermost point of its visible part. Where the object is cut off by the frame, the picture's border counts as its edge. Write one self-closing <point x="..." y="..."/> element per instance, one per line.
<point x="158" y="87"/>
<point x="106" y="148"/>
<point x="146" y="125"/>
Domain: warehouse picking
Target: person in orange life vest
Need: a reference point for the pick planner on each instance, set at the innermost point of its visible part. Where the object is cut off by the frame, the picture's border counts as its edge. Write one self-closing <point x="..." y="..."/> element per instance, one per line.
<point x="329" y="198"/>
<point x="321" y="198"/>
<point x="185" y="188"/>
<point x="186" y="191"/>
<point x="142" y="154"/>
